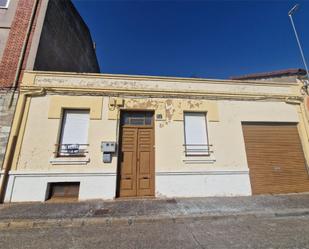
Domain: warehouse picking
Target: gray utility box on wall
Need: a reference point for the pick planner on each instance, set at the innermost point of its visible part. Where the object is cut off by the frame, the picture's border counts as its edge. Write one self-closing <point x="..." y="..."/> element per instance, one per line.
<point x="108" y="148"/>
<point x="107" y="157"/>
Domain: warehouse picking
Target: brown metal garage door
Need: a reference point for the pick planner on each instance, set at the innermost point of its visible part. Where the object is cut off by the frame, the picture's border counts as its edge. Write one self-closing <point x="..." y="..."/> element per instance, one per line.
<point x="275" y="158"/>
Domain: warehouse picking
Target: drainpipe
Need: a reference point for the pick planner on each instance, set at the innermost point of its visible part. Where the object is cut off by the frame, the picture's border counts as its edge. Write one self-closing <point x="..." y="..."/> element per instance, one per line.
<point x="23" y="51"/>
<point x="13" y="138"/>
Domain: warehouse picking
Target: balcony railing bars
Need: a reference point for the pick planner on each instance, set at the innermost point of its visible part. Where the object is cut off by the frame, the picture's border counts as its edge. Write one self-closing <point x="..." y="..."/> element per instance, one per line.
<point x="197" y="149"/>
<point x="73" y="150"/>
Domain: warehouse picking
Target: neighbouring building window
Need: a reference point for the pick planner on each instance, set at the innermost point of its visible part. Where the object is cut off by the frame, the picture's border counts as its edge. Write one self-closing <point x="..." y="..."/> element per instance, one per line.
<point x="196" y="139"/>
<point x="4" y="3"/>
<point x="74" y="133"/>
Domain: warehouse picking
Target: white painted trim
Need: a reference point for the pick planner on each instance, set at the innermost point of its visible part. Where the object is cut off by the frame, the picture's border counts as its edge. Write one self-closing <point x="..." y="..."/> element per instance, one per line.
<point x="199" y="161"/>
<point x="202" y="184"/>
<point x="33" y="186"/>
<point x="59" y="173"/>
<point x="217" y="172"/>
<point x="100" y="173"/>
<point x="69" y="161"/>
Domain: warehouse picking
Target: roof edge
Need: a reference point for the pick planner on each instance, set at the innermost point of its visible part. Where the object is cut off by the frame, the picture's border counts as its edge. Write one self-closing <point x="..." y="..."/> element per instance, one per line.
<point x="271" y="74"/>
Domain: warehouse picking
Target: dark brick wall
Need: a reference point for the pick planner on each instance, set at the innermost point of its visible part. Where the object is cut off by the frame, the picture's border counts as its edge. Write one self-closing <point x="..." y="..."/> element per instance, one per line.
<point x="65" y="43"/>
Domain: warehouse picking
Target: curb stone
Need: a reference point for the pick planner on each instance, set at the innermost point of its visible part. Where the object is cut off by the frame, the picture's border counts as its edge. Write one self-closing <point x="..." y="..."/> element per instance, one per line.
<point x="129" y="221"/>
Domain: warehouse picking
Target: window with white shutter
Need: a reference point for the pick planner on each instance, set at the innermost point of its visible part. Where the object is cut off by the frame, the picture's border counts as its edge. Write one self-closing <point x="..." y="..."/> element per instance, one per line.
<point x="4" y="3"/>
<point x="196" y="140"/>
<point x="74" y="133"/>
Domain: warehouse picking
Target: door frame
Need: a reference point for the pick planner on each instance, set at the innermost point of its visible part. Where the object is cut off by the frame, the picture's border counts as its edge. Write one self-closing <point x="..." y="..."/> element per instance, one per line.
<point x="119" y="149"/>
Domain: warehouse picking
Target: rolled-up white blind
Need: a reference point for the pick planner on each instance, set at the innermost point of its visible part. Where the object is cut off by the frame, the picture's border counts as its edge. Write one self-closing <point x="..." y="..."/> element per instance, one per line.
<point x="4" y="3"/>
<point x="75" y="127"/>
<point x="196" y="133"/>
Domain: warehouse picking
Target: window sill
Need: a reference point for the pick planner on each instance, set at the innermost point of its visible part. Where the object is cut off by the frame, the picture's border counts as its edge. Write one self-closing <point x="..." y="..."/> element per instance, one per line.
<point x="69" y="160"/>
<point x="199" y="159"/>
<point x="198" y="155"/>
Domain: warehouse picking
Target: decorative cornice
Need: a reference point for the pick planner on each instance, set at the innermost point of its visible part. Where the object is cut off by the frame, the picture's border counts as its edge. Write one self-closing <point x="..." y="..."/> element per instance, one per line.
<point x="156" y="93"/>
<point x="155" y="78"/>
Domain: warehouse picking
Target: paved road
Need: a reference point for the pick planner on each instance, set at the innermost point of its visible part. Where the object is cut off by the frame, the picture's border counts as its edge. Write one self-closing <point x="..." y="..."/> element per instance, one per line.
<point x="241" y="232"/>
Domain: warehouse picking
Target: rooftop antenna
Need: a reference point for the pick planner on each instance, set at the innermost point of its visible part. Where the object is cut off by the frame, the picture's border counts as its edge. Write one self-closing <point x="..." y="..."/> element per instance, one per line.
<point x="290" y="14"/>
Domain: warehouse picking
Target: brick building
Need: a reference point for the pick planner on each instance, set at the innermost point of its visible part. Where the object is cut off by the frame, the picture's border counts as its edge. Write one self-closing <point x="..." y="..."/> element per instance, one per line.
<point x="47" y="35"/>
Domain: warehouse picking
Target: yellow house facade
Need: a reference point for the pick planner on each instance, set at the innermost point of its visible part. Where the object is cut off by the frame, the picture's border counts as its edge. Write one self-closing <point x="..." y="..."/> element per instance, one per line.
<point x="96" y="136"/>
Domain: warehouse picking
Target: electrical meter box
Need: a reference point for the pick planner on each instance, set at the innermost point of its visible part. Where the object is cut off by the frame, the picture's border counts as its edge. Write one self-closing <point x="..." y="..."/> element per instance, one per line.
<point x="107" y="157"/>
<point x="108" y="147"/>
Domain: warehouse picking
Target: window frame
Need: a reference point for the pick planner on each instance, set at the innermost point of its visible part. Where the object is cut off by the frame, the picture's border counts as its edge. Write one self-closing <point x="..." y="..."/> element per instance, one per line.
<point x="201" y="154"/>
<point x="130" y="115"/>
<point x="61" y="131"/>
<point x="6" y="6"/>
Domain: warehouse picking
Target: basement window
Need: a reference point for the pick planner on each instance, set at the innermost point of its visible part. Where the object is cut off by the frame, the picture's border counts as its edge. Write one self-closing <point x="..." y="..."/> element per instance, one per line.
<point x="63" y="190"/>
<point x="4" y="4"/>
<point x="196" y="138"/>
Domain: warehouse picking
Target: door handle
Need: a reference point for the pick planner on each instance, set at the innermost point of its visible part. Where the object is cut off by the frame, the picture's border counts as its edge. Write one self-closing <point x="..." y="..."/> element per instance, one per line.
<point x="276" y="168"/>
<point x="145" y="177"/>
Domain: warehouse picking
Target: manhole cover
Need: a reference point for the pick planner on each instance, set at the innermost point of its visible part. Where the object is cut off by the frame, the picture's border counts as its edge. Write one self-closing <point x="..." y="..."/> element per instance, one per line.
<point x="171" y="201"/>
<point x="99" y="212"/>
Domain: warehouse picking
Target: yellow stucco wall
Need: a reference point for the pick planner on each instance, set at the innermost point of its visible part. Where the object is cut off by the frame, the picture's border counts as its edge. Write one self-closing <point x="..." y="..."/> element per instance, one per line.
<point x="225" y="134"/>
<point x="227" y="104"/>
<point x="170" y="109"/>
<point x="58" y="103"/>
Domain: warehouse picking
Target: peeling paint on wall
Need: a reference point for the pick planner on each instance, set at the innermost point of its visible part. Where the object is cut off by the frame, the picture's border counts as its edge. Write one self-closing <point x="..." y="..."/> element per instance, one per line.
<point x="183" y="85"/>
<point x="169" y="109"/>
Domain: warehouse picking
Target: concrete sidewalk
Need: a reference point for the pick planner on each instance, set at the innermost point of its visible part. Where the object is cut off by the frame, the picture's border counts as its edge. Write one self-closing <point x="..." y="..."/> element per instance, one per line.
<point x="149" y="210"/>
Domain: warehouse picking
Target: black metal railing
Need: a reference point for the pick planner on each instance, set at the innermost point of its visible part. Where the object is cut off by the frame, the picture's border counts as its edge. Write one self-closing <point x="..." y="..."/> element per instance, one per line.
<point x="197" y="149"/>
<point x="71" y="150"/>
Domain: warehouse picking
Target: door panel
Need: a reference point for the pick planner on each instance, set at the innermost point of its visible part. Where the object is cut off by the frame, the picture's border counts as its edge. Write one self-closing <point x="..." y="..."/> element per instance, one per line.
<point x="128" y="163"/>
<point x="145" y="166"/>
<point x="144" y="162"/>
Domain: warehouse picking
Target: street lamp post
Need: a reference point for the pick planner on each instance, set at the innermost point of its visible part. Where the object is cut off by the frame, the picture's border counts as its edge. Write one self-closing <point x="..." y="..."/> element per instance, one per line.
<point x="290" y="14"/>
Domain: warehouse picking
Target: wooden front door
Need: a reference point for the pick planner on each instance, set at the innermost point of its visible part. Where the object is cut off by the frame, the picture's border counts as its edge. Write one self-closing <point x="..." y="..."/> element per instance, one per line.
<point x="136" y="157"/>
